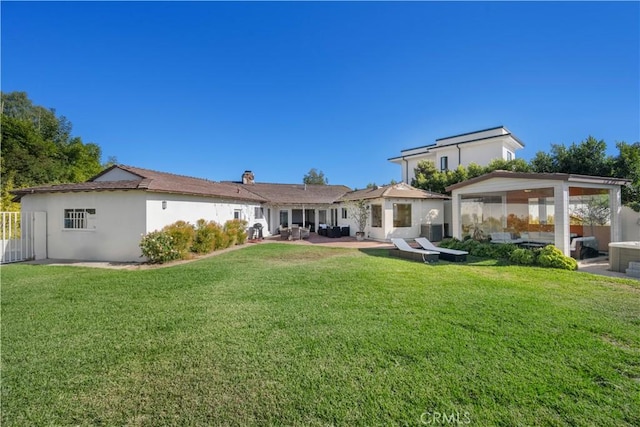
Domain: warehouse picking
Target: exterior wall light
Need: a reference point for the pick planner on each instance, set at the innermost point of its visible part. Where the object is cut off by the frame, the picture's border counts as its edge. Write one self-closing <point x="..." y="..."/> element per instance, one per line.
<point x="164" y="204"/>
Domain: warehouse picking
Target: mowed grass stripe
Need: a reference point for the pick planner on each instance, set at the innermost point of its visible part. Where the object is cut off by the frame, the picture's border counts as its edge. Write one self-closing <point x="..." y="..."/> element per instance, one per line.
<point x="297" y="335"/>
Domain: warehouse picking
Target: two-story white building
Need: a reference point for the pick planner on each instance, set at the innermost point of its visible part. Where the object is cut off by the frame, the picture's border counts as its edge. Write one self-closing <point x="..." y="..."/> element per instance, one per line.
<point x="448" y="153"/>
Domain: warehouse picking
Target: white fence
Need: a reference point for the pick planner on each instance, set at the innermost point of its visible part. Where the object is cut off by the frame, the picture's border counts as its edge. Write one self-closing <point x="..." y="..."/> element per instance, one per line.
<point x="22" y="236"/>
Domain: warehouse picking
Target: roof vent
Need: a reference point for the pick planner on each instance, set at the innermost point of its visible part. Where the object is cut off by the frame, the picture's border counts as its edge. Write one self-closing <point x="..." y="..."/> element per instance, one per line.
<point x="248" y="177"/>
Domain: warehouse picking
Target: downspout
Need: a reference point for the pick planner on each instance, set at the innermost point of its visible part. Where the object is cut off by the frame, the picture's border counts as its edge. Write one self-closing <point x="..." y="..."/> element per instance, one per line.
<point x="459" y="154"/>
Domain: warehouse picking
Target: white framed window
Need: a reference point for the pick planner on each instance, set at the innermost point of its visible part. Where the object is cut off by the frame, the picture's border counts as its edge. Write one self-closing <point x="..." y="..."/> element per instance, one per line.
<point x="401" y="215"/>
<point x="79" y="218"/>
<point x="258" y="212"/>
<point x="509" y="156"/>
<point x="237" y="214"/>
<point x="444" y="163"/>
<point x="334" y="217"/>
<point x="284" y="218"/>
<point x="344" y="213"/>
<point x="376" y="215"/>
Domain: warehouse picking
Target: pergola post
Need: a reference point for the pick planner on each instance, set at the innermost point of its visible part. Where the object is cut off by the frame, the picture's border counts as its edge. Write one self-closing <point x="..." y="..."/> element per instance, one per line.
<point x="562" y="224"/>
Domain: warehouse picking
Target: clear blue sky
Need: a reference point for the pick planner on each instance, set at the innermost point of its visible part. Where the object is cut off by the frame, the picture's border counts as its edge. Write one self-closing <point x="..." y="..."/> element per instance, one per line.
<point x="210" y="89"/>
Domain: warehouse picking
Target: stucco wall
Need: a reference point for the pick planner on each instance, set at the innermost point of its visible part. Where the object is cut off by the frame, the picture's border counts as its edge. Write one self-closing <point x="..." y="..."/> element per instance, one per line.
<point x="115" y="233"/>
<point x="629" y="225"/>
<point x="481" y="153"/>
<point x="422" y="212"/>
<point x="193" y="208"/>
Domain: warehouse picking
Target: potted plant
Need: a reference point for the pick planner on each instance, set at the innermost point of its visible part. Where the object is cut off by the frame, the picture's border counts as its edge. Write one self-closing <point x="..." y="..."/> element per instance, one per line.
<point x="359" y="212"/>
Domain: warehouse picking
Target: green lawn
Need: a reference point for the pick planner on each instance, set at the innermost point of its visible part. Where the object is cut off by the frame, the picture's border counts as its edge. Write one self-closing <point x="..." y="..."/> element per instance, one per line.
<point x="279" y="334"/>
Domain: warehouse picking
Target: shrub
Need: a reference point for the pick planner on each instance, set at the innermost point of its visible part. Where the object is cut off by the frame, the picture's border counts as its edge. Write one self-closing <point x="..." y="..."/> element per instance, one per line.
<point x="158" y="247"/>
<point x="450" y="242"/>
<point x="204" y="239"/>
<point x="522" y="256"/>
<point x="550" y="256"/>
<point x="221" y="238"/>
<point x="183" y="234"/>
<point x="236" y="229"/>
<point x="502" y="250"/>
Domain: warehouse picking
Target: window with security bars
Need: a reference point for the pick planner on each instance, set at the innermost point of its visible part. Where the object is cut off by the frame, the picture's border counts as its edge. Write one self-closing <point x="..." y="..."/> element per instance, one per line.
<point x="77" y="219"/>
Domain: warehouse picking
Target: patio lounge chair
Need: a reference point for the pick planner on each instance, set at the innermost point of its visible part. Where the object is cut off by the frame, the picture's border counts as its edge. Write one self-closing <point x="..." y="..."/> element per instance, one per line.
<point x="304" y="233"/>
<point x="295" y="232"/>
<point x="504" y="237"/>
<point x="445" y="253"/>
<point x="406" y="251"/>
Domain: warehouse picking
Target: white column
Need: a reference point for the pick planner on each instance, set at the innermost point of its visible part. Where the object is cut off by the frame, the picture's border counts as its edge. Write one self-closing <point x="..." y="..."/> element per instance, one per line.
<point x="504" y="212"/>
<point x="561" y="217"/>
<point x="615" y="206"/>
<point x="455" y="215"/>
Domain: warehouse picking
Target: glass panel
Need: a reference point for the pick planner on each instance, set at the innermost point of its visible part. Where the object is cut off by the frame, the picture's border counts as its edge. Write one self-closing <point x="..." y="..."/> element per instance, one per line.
<point x="518" y="216"/>
<point x="284" y="218"/>
<point x="322" y="217"/>
<point x="376" y="215"/>
<point x="401" y="215"/>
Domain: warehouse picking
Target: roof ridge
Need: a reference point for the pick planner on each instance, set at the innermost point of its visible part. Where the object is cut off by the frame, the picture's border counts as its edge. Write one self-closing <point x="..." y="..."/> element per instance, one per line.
<point x="284" y="183"/>
<point x="133" y="169"/>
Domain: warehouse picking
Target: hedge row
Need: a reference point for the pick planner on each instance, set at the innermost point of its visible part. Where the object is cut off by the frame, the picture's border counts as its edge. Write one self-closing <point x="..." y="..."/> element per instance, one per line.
<point x="180" y="239"/>
<point x="549" y="256"/>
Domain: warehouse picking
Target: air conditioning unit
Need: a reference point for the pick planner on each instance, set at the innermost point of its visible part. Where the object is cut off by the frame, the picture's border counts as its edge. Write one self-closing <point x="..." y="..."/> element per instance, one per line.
<point x="433" y="232"/>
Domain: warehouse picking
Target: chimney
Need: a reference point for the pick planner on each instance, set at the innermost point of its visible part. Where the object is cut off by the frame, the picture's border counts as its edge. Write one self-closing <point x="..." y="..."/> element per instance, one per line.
<point x="248" y="178"/>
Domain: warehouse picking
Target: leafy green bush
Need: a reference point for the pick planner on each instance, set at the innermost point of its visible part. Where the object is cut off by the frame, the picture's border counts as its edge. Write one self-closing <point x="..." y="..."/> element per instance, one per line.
<point x="183" y="234"/>
<point x="480" y="249"/>
<point x="204" y="239"/>
<point x="502" y="250"/>
<point x="221" y="237"/>
<point x="158" y="247"/>
<point x="451" y="243"/>
<point x="236" y="229"/>
<point x="550" y="256"/>
<point x="522" y="256"/>
<point x="209" y="236"/>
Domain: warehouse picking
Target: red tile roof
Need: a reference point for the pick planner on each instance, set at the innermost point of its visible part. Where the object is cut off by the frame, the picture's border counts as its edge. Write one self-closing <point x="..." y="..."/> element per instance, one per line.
<point x="397" y="191"/>
<point x="153" y="181"/>
<point x="283" y="194"/>
<point x="290" y="194"/>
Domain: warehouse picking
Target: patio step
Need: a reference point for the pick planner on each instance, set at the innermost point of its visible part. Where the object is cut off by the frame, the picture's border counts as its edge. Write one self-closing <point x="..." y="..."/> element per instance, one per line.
<point x="634" y="269"/>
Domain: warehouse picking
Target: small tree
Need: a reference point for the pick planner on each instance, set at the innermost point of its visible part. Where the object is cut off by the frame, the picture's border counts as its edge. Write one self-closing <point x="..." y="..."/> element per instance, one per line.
<point x="315" y="177"/>
<point x="359" y="212"/>
<point x="593" y="211"/>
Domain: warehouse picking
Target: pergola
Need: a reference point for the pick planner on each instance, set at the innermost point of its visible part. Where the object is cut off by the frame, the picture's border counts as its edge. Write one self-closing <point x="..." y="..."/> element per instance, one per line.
<point x="551" y="208"/>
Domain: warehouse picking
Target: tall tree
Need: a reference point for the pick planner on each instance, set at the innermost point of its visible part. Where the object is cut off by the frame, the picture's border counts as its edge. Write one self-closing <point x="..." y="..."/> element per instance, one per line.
<point x="627" y="165"/>
<point x="315" y="177"/>
<point x="589" y="157"/>
<point x="37" y="148"/>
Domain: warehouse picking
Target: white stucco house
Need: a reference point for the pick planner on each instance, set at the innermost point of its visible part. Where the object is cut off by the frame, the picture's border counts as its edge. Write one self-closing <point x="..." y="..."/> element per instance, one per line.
<point x="480" y="147"/>
<point x="397" y="210"/>
<point x="104" y="218"/>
